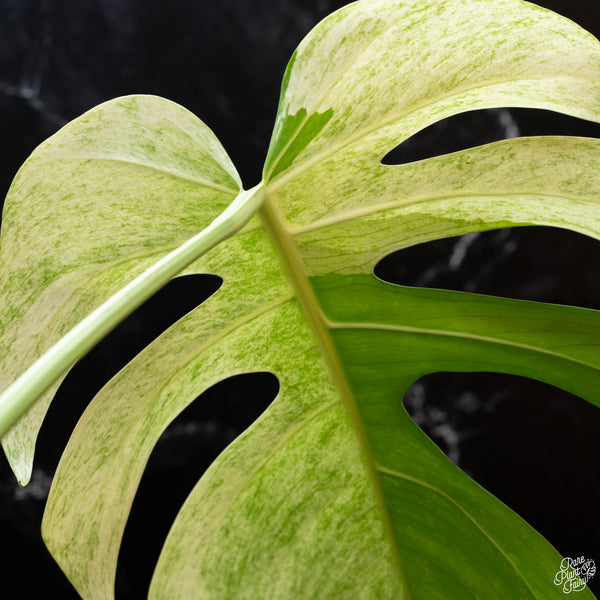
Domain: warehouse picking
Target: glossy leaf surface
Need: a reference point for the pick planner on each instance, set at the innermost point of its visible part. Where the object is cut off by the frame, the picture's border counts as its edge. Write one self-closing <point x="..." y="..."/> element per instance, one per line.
<point x="334" y="492"/>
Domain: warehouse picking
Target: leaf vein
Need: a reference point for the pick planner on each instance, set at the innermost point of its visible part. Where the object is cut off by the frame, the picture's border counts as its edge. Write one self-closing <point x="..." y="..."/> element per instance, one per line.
<point x="392" y="473"/>
<point x="138" y="164"/>
<point x="389" y="206"/>
<point x="457" y="334"/>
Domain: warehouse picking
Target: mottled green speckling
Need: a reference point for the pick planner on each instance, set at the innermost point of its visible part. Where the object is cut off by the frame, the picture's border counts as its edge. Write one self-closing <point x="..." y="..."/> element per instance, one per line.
<point x="333" y="492"/>
<point x="112" y="192"/>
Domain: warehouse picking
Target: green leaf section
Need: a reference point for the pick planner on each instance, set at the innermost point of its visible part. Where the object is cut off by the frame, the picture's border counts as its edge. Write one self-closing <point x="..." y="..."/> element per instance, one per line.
<point x="94" y="206"/>
<point x="437" y="330"/>
<point x="300" y="130"/>
<point x="388" y="336"/>
<point x="334" y="492"/>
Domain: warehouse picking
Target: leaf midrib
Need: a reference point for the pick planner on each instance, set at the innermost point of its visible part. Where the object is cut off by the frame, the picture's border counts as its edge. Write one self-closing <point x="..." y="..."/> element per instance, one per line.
<point x="282" y="237"/>
<point x="292" y="262"/>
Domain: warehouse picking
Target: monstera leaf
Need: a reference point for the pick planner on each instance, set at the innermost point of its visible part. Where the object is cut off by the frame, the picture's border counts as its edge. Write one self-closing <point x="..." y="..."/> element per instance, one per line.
<point x="333" y="492"/>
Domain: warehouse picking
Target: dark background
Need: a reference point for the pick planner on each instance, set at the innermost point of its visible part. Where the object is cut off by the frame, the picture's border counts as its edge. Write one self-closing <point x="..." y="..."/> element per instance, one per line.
<point x="533" y="446"/>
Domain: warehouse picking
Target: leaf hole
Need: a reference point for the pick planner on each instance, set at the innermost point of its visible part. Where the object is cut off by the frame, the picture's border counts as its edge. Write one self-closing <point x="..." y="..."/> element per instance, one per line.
<point x="184" y="451"/>
<point x="530" y="444"/>
<point x="172" y="302"/>
<point x="477" y="127"/>
<point x="545" y="264"/>
<point x="110" y="355"/>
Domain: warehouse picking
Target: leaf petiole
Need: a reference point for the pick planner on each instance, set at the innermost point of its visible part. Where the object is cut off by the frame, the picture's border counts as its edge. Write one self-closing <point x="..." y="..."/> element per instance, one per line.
<point x="21" y="395"/>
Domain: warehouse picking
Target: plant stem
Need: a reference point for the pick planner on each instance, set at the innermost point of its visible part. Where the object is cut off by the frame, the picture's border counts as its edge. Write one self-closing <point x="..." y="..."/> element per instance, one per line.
<point x="19" y="396"/>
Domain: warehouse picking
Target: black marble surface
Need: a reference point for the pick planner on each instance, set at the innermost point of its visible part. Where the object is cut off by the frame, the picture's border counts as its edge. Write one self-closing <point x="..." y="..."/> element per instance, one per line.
<point x="533" y="446"/>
